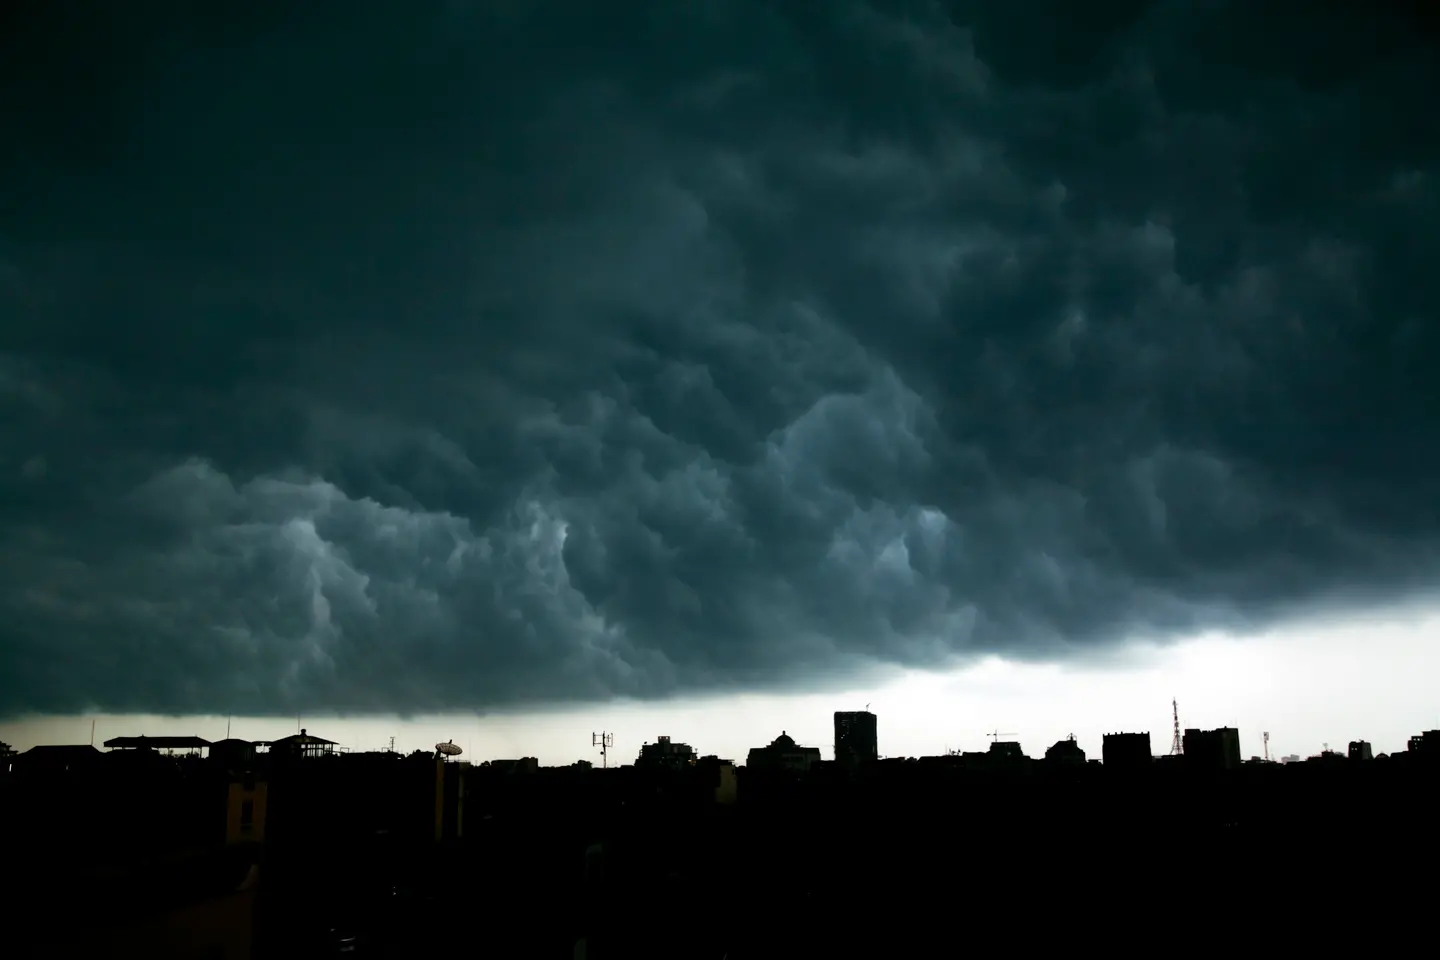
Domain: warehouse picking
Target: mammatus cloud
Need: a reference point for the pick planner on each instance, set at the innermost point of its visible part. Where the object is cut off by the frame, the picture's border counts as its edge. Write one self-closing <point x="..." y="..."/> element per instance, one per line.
<point x="485" y="353"/>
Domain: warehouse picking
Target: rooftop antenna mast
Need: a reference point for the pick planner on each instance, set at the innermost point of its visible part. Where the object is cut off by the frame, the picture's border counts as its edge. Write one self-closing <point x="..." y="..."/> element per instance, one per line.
<point x="604" y="741"/>
<point x="1266" y="738"/>
<point x="1177" y="745"/>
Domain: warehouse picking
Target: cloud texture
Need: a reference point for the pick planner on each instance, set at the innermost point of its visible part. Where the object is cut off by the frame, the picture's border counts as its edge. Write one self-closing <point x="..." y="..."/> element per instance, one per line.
<point x="377" y="357"/>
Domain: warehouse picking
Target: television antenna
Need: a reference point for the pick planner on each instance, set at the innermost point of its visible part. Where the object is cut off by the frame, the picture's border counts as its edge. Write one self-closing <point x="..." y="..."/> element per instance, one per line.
<point x="447" y="749"/>
<point x="604" y="741"/>
<point x="1177" y="743"/>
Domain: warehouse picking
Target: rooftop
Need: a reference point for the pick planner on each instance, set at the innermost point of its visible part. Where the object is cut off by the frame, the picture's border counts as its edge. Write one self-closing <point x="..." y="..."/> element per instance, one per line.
<point x="295" y="739"/>
<point x="156" y="743"/>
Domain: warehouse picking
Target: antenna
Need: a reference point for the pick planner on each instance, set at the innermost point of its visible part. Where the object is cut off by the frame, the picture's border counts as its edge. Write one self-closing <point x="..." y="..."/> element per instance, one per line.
<point x="392" y="744"/>
<point x="1177" y="745"/>
<point x="1266" y="737"/>
<point x="92" y="733"/>
<point x="447" y="749"/>
<point x="227" y="726"/>
<point x="604" y="741"/>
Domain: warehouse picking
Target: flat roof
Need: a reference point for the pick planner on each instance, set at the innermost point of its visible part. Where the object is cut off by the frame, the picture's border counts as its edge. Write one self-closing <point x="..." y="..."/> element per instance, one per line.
<point x="296" y="738"/>
<point x="156" y="743"/>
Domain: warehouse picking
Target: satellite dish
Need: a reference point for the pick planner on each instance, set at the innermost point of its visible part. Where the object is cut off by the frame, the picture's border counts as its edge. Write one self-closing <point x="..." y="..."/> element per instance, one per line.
<point x="448" y="749"/>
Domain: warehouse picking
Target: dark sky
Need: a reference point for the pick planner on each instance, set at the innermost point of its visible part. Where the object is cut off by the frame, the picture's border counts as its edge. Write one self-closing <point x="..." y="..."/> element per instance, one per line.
<point x="423" y="356"/>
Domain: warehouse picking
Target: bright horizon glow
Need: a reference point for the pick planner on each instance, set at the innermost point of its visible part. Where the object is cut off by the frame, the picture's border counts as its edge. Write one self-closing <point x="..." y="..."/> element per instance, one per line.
<point x="1329" y="683"/>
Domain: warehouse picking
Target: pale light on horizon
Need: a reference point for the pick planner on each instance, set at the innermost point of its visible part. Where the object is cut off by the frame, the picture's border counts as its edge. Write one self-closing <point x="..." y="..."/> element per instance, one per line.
<point x="1325" y="683"/>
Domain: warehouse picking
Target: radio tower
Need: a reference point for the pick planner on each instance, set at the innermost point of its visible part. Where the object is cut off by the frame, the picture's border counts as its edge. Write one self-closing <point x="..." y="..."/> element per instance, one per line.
<point x="1177" y="746"/>
<point x="604" y="741"/>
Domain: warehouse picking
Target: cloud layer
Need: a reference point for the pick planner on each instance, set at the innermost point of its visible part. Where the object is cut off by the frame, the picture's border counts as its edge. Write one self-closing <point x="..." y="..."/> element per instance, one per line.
<point x="490" y="353"/>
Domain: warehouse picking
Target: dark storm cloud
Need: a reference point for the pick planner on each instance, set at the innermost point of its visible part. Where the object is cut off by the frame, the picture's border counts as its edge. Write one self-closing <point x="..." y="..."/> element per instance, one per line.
<point x="407" y="357"/>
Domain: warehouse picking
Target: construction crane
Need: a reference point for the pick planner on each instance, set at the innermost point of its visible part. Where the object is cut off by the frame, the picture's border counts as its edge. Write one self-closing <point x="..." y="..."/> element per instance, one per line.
<point x="1177" y="745"/>
<point x="995" y="735"/>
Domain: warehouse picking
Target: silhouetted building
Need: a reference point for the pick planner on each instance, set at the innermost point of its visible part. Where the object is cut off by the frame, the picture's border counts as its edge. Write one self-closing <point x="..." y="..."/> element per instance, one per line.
<point x="783" y="753"/>
<point x="233" y="754"/>
<point x="1126" y="750"/>
<point x="1006" y="750"/>
<point x="1065" y="751"/>
<point x="665" y="753"/>
<point x="1217" y="749"/>
<point x="300" y="746"/>
<point x="855" y="737"/>
<point x="521" y="765"/>
<point x="1425" y="744"/>
<point x="194" y="746"/>
<point x="57" y="759"/>
<point x="721" y="774"/>
<point x="410" y="800"/>
<point x="1360" y="750"/>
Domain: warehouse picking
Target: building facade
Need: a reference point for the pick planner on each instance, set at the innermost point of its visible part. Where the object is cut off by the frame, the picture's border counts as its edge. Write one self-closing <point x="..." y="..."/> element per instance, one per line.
<point x="783" y="754"/>
<point x="856" y="741"/>
<point x="1217" y="749"/>
<point x="1126" y="750"/>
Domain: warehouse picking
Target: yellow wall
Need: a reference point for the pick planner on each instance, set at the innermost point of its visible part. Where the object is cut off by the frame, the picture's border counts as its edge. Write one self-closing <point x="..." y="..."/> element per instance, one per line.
<point x="257" y="795"/>
<point x="729" y="787"/>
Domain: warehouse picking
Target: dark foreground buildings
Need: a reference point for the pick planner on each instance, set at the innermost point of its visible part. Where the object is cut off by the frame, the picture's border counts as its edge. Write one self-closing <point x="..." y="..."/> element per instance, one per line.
<point x="295" y="849"/>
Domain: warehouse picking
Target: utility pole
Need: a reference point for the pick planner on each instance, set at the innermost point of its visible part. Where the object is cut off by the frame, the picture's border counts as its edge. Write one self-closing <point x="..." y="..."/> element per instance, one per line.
<point x="604" y="741"/>
<point x="392" y="744"/>
<point x="92" y="733"/>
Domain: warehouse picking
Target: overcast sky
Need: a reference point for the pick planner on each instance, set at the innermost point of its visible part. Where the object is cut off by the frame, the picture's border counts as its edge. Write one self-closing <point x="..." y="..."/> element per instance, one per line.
<point x="723" y="358"/>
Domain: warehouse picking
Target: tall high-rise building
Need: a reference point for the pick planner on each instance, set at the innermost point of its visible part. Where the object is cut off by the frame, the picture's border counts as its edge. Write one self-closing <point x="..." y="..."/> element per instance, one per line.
<point x="1217" y="749"/>
<point x="1120" y="751"/>
<point x="855" y="738"/>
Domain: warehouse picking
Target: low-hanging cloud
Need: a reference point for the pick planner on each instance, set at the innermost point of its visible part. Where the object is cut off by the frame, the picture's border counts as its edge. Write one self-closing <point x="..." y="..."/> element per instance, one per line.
<point x="367" y="357"/>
